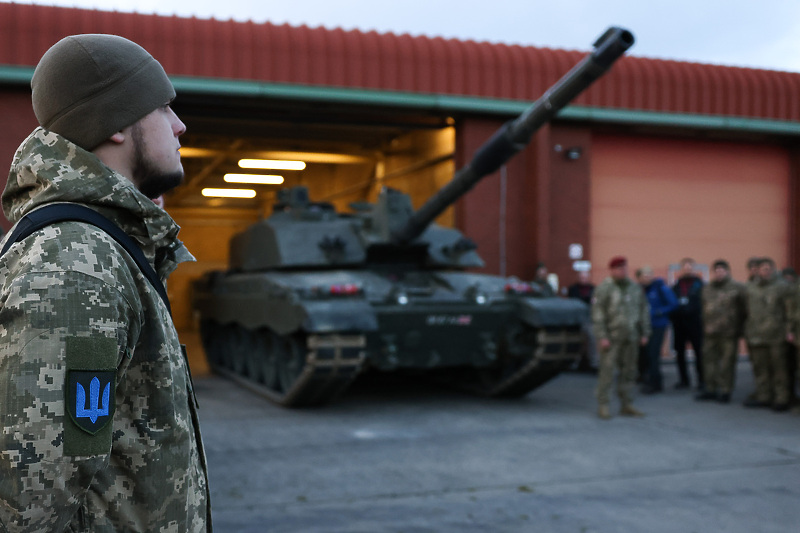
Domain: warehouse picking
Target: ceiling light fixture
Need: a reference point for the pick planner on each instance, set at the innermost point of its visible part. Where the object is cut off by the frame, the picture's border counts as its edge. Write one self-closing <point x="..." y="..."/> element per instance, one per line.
<point x="228" y="193"/>
<point x="272" y="164"/>
<point x="254" y="179"/>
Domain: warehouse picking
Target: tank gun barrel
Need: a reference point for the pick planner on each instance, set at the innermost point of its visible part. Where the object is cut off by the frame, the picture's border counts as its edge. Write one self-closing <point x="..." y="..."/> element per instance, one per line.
<point x="513" y="136"/>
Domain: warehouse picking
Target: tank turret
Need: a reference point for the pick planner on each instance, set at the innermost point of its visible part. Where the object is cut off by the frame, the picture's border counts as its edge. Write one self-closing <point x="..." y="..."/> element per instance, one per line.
<point x="313" y="297"/>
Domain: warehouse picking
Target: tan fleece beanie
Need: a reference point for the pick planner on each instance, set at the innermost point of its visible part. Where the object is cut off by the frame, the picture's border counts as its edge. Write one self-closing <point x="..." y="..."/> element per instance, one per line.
<point x="88" y="87"/>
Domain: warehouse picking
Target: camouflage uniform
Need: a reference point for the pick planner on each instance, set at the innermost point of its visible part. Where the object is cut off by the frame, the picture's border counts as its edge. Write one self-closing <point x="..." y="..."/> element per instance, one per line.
<point x="73" y="304"/>
<point x="768" y="322"/>
<point x="724" y="310"/>
<point x="620" y="313"/>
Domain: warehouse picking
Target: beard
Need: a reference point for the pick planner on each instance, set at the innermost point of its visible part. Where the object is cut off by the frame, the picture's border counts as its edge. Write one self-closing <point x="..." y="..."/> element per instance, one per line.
<point x="151" y="181"/>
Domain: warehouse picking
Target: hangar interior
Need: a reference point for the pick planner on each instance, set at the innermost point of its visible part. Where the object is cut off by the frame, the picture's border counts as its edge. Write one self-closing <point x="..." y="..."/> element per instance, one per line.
<point x="349" y="152"/>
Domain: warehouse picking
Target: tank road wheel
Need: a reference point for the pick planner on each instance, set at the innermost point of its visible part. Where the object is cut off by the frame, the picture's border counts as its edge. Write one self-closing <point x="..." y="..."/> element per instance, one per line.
<point x="237" y="352"/>
<point x="213" y="343"/>
<point x="251" y="354"/>
<point x="266" y="358"/>
<point x="290" y="358"/>
<point x="528" y="358"/>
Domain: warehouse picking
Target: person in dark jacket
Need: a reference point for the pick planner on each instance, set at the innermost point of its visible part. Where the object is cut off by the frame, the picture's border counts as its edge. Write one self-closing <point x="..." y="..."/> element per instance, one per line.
<point x="687" y="323"/>
<point x="662" y="302"/>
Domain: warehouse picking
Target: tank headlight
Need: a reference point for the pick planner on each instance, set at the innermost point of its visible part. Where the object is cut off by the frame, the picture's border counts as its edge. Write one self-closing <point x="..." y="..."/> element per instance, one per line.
<point x="481" y="298"/>
<point x="402" y="298"/>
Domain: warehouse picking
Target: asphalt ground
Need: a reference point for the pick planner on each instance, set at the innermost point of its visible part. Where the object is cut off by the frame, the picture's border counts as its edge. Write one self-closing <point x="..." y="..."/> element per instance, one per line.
<point x="398" y="454"/>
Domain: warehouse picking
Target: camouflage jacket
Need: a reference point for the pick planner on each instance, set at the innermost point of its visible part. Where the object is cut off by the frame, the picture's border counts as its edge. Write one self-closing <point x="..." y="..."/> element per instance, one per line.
<point x="724" y="308"/>
<point x="769" y="316"/>
<point x="620" y="311"/>
<point x="99" y="427"/>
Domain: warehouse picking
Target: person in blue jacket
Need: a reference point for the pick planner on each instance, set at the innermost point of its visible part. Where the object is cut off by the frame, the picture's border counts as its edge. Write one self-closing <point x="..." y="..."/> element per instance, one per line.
<point x="662" y="302"/>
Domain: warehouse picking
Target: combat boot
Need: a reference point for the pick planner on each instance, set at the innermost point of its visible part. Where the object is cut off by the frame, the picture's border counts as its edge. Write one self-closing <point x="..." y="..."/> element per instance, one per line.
<point x="604" y="412"/>
<point x="629" y="410"/>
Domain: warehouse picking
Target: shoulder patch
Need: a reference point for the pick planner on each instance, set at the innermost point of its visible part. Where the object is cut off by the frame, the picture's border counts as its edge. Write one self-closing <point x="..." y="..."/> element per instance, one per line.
<point x="89" y="390"/>
<point x="90" y="398"/>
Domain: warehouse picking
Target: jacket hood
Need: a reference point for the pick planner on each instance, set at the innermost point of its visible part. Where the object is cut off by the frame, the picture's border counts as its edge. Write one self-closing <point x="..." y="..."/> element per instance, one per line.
<point x="48" y="168"/>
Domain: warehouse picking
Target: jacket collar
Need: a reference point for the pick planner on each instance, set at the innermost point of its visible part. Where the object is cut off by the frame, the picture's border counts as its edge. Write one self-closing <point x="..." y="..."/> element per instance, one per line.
<point x="49" y="168"/>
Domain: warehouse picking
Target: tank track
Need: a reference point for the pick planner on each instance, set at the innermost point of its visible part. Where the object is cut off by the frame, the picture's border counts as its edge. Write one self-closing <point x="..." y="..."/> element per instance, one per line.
<point x="306" y="370"/>
<point x="292" y="371"/>
<point x="555" y="349"/>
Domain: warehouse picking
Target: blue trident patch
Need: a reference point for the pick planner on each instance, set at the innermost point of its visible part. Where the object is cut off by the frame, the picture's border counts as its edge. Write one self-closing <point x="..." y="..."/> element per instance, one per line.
<point x="92" y="411"/>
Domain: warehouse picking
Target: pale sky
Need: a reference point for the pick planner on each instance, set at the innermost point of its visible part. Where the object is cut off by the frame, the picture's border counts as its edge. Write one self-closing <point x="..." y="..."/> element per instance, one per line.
<point x="759" y="34"/>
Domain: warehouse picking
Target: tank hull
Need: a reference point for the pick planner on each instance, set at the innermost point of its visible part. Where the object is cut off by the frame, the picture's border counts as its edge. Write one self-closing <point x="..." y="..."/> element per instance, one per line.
<point x="284" y="334"/>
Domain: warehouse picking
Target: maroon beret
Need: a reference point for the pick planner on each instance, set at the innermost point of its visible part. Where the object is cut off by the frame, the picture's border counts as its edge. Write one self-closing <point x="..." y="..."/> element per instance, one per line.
<point x="617" y="261"/>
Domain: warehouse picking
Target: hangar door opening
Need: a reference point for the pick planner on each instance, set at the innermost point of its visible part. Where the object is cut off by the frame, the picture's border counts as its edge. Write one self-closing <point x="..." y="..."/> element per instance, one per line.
<point x="659" y="200"/>
<point x="348" y="153"/>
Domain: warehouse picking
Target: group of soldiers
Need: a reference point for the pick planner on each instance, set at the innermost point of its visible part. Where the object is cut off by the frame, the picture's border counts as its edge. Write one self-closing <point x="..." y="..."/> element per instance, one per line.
<point x="764" y="311"/>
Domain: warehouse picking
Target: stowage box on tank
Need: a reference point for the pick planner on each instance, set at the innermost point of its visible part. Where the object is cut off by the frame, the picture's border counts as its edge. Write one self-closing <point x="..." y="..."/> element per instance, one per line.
<point x="313" y="297"/>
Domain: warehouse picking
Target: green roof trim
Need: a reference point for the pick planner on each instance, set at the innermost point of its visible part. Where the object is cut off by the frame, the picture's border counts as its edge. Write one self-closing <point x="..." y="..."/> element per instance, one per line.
<point x="15" y="75"/>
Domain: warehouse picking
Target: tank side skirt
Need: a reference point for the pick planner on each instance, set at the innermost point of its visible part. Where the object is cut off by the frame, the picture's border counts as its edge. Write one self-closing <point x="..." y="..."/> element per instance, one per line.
<point x="556" y="350"/>
<point x="332" y="362"/>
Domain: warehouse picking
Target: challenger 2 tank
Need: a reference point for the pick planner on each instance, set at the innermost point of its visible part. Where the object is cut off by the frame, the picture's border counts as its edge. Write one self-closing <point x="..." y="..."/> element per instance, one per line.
<point x="314" y="297"/>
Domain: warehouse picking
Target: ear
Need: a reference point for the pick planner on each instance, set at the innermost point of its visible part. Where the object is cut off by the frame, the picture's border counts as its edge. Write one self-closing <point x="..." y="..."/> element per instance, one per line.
<point x="117" y="138"/>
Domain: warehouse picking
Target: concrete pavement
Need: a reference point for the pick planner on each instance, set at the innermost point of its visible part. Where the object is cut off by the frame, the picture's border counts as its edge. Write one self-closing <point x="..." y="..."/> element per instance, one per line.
<point x="404" y="456"/>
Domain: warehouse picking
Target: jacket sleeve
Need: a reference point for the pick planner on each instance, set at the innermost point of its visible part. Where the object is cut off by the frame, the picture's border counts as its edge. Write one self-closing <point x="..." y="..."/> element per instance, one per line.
<point x="44" y="479"/>
<point x="644" y="316"/>
<point x="600" y="312"/>
<point x="789" y="307"/>
<point x="741" y="308"/>
<point x="668" y="299"/>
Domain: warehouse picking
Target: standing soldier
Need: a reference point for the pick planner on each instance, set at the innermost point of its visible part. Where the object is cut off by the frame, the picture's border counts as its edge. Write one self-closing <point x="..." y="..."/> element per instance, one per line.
<point x="769" y="324"/>
<point x="100" y="426"/>
<point x="789" y="275"/>
<point x="621" y="321"/>
<point x="724" y="311"/>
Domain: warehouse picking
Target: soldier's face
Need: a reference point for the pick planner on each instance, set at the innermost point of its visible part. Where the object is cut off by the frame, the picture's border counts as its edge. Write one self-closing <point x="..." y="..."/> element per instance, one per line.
<point x="765" y="271"/>
<point x="720" y="273"/>
<point x="157" y="164"/>
<point x="619" y="273"/>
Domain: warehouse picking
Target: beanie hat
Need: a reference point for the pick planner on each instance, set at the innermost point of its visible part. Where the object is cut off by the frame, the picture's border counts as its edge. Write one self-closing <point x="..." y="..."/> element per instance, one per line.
<point x="88" y="87"/>
<point x="617" y="261"/>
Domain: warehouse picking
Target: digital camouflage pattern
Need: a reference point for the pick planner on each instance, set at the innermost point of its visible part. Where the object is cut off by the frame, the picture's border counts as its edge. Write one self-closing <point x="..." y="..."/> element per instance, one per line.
<point x="621" y="314"/>
<point x="769" y="311"/>
<point x="769" y="319"/>
<point x="724" y="311"/>
<point x="620" y="311"/>
<point x="724" y="308"/>
<point x="73" y="299"/>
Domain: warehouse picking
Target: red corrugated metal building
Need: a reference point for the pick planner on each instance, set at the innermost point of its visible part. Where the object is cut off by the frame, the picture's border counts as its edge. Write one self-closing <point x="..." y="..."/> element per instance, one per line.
<point x="669" y="159"/>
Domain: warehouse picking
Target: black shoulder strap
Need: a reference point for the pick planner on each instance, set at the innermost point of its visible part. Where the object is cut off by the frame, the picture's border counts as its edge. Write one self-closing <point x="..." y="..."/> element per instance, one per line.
<point x="62" y="212"/>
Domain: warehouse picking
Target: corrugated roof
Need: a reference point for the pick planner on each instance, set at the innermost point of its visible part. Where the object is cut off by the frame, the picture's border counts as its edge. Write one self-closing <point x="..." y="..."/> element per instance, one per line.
<point x="335" y="57"/>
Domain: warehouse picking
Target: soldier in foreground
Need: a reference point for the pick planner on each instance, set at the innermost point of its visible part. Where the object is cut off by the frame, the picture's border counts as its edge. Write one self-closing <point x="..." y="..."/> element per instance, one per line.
<point x="724" y="310"/>
<point x="100" y="427"/>
<point x="621" y="321"/>
<point x="769" y="325"/>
